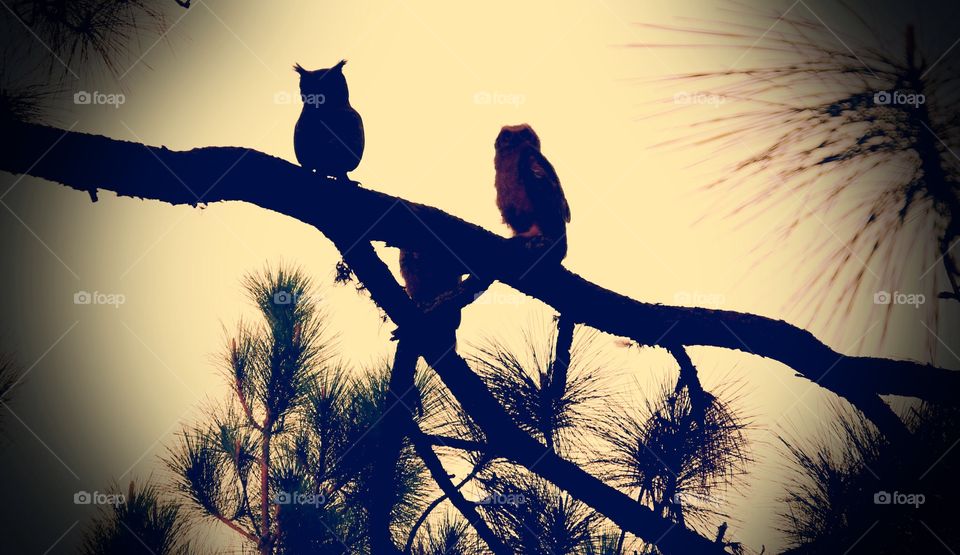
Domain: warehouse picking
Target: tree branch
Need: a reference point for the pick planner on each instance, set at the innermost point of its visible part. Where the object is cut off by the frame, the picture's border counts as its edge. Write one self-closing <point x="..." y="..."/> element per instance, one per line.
<point x="503" y="436"/>
<point x="397" y="422"/>
<point x="561" y="357"/>
<point x="425" y="442"/>
<point x="238" y="529"/>
<point x="452" y="492"/>
<point x="215" y="174"/>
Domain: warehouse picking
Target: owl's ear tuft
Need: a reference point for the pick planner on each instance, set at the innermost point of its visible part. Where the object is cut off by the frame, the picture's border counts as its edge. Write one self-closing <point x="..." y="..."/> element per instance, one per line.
<point x="339" y="66"/>
<point x="299" y="69"/>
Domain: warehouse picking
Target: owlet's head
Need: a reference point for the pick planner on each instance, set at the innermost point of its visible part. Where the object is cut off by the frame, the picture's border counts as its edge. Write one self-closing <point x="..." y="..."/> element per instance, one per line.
<point x="322" y="87"/>
<point x="512" y="136"/>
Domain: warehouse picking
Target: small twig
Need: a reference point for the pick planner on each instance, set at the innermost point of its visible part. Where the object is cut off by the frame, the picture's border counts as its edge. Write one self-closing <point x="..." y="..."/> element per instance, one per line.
<point x="237" y="528"/>
<point x="883" y="417"/>
<point x="467" y="508"/>
<point x="721" y="531"/>
<point x="266" y="537"/>
<point x="247" y="509"/>
<point x="433" y="505"/>
<point x="950" y="267"/>
<point x="561" y="358"/>
<point x="689" y="378"/>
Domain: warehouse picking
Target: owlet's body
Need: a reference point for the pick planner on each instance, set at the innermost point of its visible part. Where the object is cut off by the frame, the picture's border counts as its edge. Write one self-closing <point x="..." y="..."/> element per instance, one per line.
<point x="529" y="194"/>
<point x="427" y="276"/>
<point x="328" y="138"/>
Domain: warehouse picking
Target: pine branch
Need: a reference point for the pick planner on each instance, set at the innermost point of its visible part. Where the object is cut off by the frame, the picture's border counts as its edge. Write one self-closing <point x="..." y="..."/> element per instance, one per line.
<point x="425" y="441"/>
<point x="504" y="438"/>
<point x="452" y="492"/>
<point x="215" y="174"/>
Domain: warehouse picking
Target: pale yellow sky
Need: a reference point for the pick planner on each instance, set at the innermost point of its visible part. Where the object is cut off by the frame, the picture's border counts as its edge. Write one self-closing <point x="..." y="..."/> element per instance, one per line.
<point x="124" y="379"/>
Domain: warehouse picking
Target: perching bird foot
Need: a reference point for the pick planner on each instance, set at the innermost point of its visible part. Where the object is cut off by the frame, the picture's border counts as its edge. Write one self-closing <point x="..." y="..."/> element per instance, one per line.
<point x="347" y="180"/>
<point x="537" y="243"/>
<point x="544" y="249"/>
<point x="328" y="136"/>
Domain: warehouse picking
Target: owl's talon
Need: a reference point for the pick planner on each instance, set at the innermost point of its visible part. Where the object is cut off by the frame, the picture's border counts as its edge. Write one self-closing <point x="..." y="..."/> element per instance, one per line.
<point x="537" y="242"/>
<point x="344" y="179"/>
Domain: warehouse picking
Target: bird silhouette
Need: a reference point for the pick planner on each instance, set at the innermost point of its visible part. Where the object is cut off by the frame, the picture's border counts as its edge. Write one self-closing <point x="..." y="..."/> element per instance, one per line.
<point x="328" y="137"/>
<point x="529" y="194"/>
<point x="427" y="276"/>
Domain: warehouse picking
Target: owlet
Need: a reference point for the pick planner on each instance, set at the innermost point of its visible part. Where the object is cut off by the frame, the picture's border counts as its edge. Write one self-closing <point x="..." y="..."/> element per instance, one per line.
<point x="427" y="276"/>
<point x="529" y="194"/>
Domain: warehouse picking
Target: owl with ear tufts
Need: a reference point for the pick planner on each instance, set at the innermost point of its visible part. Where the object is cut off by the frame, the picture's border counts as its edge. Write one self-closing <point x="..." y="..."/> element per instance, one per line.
<point x="529" y="194"/>
<point x="328" y="138"/>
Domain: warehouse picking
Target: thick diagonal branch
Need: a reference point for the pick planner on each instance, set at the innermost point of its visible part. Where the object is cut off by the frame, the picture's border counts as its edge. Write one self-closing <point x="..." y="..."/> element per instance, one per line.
<point x="504" y="438"/>
<point x="216" y="174"/>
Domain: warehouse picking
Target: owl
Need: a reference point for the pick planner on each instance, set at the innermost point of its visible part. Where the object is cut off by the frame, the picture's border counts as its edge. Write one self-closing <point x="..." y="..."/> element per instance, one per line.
<point x="328" y="138"/>
<point x="428" y="276"/>
<point x="529" y="194"/>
